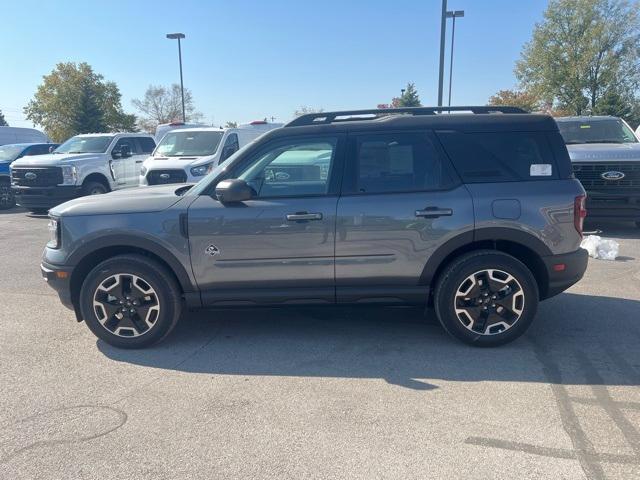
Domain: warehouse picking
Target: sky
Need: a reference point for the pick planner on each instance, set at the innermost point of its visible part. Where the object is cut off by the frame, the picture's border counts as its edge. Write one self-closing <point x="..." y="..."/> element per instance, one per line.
<point x="249" y="59"/>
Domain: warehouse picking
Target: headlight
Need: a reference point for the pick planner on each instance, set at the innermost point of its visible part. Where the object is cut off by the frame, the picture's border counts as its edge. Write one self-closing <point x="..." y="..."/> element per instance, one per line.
<point x="69" y="175"/>
<point x="201" y="170"/>
<point x="54" y="233"/>
<point x="143" y="170"/>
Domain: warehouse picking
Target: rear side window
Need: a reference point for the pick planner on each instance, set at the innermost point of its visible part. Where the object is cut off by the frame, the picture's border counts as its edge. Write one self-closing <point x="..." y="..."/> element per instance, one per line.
<point x="500" y="156"/>
<point x="396" y="163"/>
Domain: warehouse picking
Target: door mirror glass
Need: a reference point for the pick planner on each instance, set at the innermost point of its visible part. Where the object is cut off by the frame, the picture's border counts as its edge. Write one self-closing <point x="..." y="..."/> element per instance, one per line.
<point x="234" y="191"/>
<point x="123" y="151"/>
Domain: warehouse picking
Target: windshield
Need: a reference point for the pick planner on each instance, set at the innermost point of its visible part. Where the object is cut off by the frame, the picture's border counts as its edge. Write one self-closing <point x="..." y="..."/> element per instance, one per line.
<point x="188" y="144"/>
<point x="9" y="152"/>
<point x="596" y="131"/>
<point x="97" y="144"/>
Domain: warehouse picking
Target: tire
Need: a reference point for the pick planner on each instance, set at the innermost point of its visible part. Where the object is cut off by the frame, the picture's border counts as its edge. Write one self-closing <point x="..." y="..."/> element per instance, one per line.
<point x="152" y="293"/>
<point x="486" y="298"/>
<point x="7" y="199"/>
<point x="39" y="211"/>
<point x="94" y="188"/>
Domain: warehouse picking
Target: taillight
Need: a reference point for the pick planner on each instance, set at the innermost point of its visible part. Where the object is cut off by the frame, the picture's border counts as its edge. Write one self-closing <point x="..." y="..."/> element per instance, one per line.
<point x="579" y="212"/>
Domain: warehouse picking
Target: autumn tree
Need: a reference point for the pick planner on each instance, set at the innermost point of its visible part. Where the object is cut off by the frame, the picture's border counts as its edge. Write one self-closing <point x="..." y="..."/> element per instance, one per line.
<point x="74" y="99"/>
<point x="517" y="98"/>
<point x="164" y="105"/>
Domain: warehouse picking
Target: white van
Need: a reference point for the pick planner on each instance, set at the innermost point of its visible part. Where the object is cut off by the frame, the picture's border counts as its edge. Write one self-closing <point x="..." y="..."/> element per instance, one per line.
<point x="187" y="155"/>
<point x="10" y="135"/>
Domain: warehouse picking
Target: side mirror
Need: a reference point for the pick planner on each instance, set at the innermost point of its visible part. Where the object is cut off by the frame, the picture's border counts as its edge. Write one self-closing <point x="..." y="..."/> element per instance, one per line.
<point x="51" y="148"/>
<point x="233" y="191"/>
<point x="123" y="152"/>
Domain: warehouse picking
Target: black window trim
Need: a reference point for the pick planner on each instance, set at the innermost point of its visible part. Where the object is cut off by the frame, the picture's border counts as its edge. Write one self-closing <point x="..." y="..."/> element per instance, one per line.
<point x="351" y="155"/>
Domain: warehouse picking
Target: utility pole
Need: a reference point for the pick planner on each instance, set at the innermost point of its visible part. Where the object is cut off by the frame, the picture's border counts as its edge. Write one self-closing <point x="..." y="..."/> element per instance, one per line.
<point x="443" y="30"/>
<point x="455" y="14"/>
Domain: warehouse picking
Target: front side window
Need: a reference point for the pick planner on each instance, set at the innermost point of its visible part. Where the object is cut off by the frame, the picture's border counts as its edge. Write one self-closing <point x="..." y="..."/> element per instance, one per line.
<point x="298" y="168"/>
<point x="399" y="162"/>
<point x="85" y="144"/>
<point x="125" y="141"/>
<point x="611" y="130"/>
<point x="146" y="144"/>
<point x="230" y="147"/>
<point x="179" y="143"/>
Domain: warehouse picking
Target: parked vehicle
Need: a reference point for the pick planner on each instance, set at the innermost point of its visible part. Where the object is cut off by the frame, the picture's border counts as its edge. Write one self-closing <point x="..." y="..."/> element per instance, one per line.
<point x="164" y="128"/>
<point x="12" y="135"/>
<point x="188" y="155"/>
<point x="605" y="154"/>
<point x="8" y="154"/>
<point x="87" y="164"/>
<point x="477" y="214"/>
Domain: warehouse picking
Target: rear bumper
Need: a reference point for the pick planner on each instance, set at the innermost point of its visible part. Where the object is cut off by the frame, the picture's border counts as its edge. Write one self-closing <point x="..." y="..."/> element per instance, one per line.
<point x="44" y="197"/>
<point x="59" y="279"/>
<point x="575" y="264"/>
<point x="614" y="206"/>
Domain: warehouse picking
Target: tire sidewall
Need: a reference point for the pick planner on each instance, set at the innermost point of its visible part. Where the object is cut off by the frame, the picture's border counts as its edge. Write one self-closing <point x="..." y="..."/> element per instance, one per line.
<point x="169" y="301"/>
<point x="459" y="271"/>
<point x="86" y="189"/>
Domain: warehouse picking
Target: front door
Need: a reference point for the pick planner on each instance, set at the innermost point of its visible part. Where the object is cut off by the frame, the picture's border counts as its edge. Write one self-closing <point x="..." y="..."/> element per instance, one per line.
<point x="400" y="202"/>
<point x="279" y="246"/>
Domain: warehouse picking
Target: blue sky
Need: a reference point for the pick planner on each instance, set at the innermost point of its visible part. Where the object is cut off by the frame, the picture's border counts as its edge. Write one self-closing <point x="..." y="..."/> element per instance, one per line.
<point x="250" y="59"/>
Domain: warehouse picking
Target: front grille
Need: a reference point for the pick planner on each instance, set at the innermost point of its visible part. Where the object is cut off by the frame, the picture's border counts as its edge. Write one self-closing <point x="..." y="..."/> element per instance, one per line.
<point x="161" y="177"/>
<point x="36" y="176"/>
<point x="590" y="175"/>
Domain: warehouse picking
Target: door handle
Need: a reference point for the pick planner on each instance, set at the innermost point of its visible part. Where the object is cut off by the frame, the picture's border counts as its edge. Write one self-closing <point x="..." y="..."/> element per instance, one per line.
<point x="434" y="212"/>
<point x="303" y="216"/>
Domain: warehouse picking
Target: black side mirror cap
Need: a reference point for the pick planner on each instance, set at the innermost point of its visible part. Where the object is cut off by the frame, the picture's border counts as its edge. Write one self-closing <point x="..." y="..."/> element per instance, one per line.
<point x="233" y="191"/>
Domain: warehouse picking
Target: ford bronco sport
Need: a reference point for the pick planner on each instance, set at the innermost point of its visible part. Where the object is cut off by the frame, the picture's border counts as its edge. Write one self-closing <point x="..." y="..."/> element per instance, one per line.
<point x="477" y="214"/>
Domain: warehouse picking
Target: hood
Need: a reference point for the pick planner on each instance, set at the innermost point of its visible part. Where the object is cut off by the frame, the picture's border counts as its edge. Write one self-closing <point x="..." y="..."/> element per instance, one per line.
<point x="603" y="152"/>
<point x="131" y="200"/>
<point x="180" y="163"/>
<point x="56" y="159"/>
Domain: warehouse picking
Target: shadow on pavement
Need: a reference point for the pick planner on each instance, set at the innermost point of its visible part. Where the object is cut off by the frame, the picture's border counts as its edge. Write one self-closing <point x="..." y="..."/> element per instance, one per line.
<point x="575" y="339"/>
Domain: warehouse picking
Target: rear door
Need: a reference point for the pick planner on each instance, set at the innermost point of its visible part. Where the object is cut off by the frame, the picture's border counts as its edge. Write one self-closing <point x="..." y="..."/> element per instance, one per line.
<point x="279" y="246"/>
<point x="400" y="201"/>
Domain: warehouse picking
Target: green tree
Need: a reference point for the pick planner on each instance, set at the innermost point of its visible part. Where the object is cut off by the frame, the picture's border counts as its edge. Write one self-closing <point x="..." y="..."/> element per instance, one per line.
<point x="231" y="125"/>
<point x="516" y="98"/>
<point x="582" y="51"/>
<point x="3" y="122"/>
<point x="74" y="99"/>
<point x="164" y="105"/>
<point x="409" y="98"/>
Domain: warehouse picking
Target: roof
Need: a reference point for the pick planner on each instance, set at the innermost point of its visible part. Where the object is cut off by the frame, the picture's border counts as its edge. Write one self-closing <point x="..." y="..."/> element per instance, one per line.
<point x="25" y="145"/>
<point x="136" y="134"/>
<point x="583" y="118"/>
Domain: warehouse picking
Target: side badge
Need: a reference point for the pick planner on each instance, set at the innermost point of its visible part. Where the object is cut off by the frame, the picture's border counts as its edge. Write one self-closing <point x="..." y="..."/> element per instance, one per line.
<point x="212" y="250"/>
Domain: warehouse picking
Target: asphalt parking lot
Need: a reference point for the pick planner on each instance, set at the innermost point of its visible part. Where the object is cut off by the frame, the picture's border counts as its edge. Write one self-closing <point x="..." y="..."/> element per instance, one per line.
<point x="320" y="393"/>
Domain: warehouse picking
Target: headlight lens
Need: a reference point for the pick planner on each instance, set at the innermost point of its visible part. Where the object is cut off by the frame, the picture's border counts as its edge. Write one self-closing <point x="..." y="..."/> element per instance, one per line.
<point x="201" y="170"/>
<point x="54" y="233"/>
<point x="69" y="175"/>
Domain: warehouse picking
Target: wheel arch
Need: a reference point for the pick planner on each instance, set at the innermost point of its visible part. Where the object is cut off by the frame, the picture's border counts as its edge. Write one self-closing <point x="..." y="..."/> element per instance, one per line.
<point x="91" y="254"/>
<point x="523" y="246"/>
<point x="97" y="177"/>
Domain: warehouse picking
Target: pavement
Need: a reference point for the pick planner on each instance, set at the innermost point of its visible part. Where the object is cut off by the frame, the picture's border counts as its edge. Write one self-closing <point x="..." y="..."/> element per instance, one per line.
<point x="315" y="393"/>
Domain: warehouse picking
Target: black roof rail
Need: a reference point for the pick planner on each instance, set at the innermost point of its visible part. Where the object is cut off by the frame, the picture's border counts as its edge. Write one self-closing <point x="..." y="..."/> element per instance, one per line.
<point x="351" y="115"/>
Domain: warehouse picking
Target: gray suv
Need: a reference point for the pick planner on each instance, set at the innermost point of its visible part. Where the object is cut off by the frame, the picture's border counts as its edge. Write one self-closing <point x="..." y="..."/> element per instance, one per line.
<point x="475" y="213"/>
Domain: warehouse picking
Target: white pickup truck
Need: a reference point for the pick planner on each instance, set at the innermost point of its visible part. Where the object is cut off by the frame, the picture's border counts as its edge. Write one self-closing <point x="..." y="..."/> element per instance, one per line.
<point x="86" y="164"/>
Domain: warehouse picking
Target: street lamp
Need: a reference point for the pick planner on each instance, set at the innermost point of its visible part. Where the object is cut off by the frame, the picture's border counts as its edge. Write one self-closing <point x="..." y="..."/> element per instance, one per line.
<point x="453" y="14"/>
<point x="443" y="29"/>
<point x="178" y="36"/>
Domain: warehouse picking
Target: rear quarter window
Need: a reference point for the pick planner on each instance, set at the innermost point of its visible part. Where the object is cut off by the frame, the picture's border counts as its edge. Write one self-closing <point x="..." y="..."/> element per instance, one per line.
<point x="500" y="156"/>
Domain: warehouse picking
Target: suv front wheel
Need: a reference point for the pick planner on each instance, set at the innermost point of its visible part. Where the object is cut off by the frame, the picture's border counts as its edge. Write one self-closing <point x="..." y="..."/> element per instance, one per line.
<point x="486" y="298"/>
<point x="130" y="301"/>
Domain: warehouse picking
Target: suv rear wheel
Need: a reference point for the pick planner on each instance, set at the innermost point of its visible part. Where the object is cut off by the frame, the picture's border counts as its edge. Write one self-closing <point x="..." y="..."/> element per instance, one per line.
<point x="486" y="298"/>
<point x="130" y="301"/>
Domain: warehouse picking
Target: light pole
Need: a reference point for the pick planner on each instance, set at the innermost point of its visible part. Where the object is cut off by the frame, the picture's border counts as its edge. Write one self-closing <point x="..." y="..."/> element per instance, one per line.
<point x="454" y="14"/>
<point x="178" y="36"/>
<point x="443" y="29"/>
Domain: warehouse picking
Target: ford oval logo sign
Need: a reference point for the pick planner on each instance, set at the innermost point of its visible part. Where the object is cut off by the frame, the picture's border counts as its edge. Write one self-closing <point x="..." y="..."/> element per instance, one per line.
<point x="30" y="176"/>
<point x="612" y="175"/>
<point x="165" y="176"/>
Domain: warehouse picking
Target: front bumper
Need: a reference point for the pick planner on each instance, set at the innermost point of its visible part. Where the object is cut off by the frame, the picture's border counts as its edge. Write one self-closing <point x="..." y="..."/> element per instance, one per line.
<point x="59" y="279"/>
<point x="575" y="264"/>
<point x="44" y="197"/>
<point x="614" y="206"/>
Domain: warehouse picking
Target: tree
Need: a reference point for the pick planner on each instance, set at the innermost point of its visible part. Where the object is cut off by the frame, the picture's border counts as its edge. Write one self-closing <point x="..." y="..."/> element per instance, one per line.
<point x="74" y="99"/>
<point x="516" y="98"/>
<point x="164" y="105"/>
<point x="231" y="125"/>
<point x="305" y="109"/>
<point x="409" y="98"/>
<point x="581" y="52"/>
<point x="3" y="122"/>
